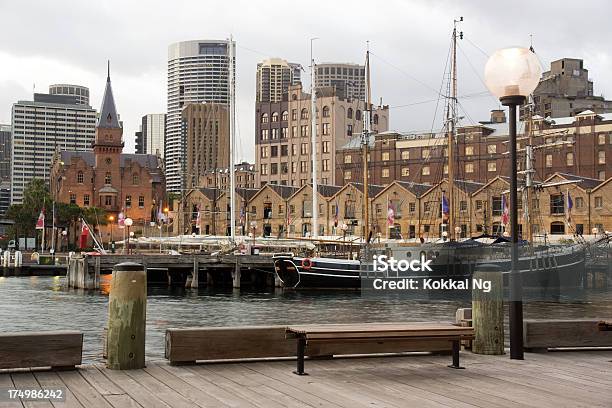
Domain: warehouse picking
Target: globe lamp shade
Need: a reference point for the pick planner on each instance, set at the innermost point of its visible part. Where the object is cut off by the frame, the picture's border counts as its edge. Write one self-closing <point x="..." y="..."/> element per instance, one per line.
<point x="512" y="72"/>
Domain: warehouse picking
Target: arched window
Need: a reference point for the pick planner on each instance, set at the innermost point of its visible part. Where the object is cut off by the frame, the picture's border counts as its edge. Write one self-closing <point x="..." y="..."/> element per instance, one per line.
<point x="294" y="97"/>
<point x="557" y="228"/>
<point x="135" y="179"/>
<point x="275" y="117"/>
<point x="80" y="177"/>
<point x="304" y="114"/>
<point x="326" y="111"/>
<point x="264" y="118"/>
<point x="107" y="178"/>
<point x="358" y="115"/>
<point x="349" y="113"/>
<point x="375" y="119"/>
<point x="285" y="116"/>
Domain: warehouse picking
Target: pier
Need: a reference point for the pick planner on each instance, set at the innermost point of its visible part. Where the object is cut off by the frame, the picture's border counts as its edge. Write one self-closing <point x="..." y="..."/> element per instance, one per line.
<point x="560" y="379"/>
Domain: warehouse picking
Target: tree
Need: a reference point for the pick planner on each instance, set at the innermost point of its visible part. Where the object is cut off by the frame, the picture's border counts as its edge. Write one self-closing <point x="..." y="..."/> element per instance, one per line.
<point x="35" y="197"/>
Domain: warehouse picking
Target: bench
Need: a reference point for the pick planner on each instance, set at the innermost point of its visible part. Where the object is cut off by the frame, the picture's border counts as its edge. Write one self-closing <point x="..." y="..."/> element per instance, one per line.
<point x="55" y="349"/>
<point x="540" y="335"/>
<point x="401" y="334"/>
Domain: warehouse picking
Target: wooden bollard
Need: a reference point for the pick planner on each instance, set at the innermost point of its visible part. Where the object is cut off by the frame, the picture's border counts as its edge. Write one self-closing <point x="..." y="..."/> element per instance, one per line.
<point x="127" y="312"/>
<point x="488" y="312"/>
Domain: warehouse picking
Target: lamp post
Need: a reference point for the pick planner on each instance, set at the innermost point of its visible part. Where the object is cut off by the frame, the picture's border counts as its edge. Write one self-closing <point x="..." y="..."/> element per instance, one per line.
<point x="128" y="223"/>
<point x="111" y="219"/>
<point x="511" y="74"/>
<point x="166" y="210"/>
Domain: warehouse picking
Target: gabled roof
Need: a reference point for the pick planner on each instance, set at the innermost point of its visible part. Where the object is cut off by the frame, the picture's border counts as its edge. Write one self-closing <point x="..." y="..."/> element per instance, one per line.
<point x="416" y="189"/>
<point x="603" y="183"/>
<point x="108" y="112"/>
<point x="585" y="183"/>
<point x="501" y="178"/>
<point x="468" y="186"/>
<point x="283" y="191"/>
<point x="373" y="189"/>
<point x="324" y="190"/>
<point x="247" y="194"/>
<point x="211" y="193"/>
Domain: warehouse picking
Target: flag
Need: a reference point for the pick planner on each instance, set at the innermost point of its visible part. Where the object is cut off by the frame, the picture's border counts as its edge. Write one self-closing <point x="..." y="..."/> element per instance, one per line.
<point x="40" y="223"/>
<point x="505" y="211"/>
<point x="336" y="214"/>
<point x="390" y="214"/>
<point x="198" y="218"/>
<point x="160" y="212"/>
<point x="445" y="207"/>
<point x="242" y="215"/>
<point x="84" y="235"/>
<point x="121" y="219"/>
<point x="570" y="205"/>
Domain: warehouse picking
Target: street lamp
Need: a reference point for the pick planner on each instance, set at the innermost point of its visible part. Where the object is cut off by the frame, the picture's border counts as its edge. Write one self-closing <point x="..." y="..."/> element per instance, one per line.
<point x="128" y="223"/>
<point x="166" y="210"/>
<point x="511" y="74"/>
<point x="111" y="219"/>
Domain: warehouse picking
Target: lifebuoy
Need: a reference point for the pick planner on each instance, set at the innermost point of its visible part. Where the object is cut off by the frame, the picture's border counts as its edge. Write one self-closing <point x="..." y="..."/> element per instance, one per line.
<point x="306" y="263"/>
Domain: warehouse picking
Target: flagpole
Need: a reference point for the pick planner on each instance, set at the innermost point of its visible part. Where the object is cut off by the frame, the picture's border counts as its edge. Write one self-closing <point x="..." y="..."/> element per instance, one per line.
<point x="42" y="246"/>
<point x="388" y="225"/>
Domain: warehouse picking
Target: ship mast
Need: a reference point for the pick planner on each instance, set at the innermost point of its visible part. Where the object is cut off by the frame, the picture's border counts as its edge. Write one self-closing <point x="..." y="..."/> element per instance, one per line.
<point x="313" y="146"/>
<point x="365" y="140"/>
<point x="232" y="134"/>
<point x="451" y="117"/>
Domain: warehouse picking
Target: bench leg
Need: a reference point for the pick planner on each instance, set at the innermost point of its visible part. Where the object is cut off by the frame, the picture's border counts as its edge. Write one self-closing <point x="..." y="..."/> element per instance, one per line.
<point x="456" y="347"/>
<point x="301" y="346"/>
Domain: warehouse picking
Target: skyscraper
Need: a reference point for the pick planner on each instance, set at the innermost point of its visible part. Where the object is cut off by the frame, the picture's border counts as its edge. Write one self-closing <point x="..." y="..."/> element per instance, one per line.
<point x="5" y="152"/>
<point x="274" y="76"/>
<point x="81" y="93"/>
<point x="197" y="72"/>
<point x="152" y="134"/>
<point x="348" y="79"/>
<point x="41" y="126"/>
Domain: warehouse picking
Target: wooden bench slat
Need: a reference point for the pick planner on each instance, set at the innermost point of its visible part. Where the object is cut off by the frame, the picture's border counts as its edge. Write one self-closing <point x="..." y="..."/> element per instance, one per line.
<point x="41" y="349"/>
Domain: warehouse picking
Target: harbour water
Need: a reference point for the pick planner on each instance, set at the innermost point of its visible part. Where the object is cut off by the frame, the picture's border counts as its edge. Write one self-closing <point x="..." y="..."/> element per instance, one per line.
<point x="44" y="303"/>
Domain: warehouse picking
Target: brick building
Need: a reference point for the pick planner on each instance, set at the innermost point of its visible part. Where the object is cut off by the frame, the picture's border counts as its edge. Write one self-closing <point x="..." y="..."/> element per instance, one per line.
<point x="106" y="177"/>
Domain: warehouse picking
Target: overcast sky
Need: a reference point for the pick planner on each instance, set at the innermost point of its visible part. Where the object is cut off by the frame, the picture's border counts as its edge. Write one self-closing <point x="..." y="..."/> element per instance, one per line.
<point x="46" y="42"/>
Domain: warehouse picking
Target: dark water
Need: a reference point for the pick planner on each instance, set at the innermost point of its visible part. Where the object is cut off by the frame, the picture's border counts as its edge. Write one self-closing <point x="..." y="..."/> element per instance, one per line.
<point x="43" y="303"/>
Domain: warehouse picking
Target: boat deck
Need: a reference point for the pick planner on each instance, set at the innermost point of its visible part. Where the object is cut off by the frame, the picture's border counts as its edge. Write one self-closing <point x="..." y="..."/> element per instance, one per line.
<point x="555" y="379"/>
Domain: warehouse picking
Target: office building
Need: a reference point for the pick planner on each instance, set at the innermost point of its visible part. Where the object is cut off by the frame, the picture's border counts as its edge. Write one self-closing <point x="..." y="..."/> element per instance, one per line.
<point x="197" y="73"/>
<point x="5" y="152"/>
<point x="107" y="178"/>
<point x="347" y="79"/>
<point x="42" y="126"/>
<point x="81" y="93"/>
<point x="151" y="137"/>
<point x="283" y="143"/>
<point x="274" y="76"/>
<point x="566" y="90"/>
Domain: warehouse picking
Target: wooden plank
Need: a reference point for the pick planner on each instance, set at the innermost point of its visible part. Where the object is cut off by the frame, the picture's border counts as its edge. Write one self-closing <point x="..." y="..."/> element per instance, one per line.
<point x="378" y="327"/>
<point x="41" y="349"/>
<point x="82" y="390"/>
<point x="99" y="381"/>
<point x="122" y="401"/>
<point x="26" y="380"/>
<point x="50" y="379"/>
<point x="138" y="393"/>
<point x="565" y="333"/>
<point x="169" y="396"/>
<point x="7" y="382"/>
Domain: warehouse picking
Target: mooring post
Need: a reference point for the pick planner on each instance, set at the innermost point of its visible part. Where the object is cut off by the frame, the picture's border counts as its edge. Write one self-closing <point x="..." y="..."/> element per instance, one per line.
<point x="488" y="311"/>
<point x="127" y="311"/>
<point x="236" y="276"/>
<point x="195" y="281"/>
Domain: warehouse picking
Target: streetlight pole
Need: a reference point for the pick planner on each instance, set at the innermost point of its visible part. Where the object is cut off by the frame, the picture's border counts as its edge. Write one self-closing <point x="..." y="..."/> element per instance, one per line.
<point x="511" y="74"/>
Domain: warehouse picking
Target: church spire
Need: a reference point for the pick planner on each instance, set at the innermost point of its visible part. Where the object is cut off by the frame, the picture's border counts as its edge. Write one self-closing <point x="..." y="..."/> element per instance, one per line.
<point x="108" y="112"/>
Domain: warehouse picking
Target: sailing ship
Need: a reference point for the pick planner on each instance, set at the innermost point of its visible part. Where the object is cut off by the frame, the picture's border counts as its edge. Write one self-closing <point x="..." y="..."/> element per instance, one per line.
<point x="541" y="266"/>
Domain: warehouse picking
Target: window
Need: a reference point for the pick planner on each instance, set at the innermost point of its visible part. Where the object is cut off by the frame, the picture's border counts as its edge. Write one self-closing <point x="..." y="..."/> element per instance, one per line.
<point x="264" y="169"/>
<point x="128" y="201"/>
<point x="293" y="167"/>
<point x="445" y="169"/>
<point x="285" y="116"/>
<point x="579" y="202"/>
<point x="349" y="113"/>
<point x="349" y="130"/>
<point x="348" y="159"/>
<point x="325" y="165"/>
<point x="492" y="166"/>
<point x="264" y="134"/>
<point x="293" y="114"/>
<point x="304" y="148"/>
<point x="264" y="151"/>
<point x="304" y="114"/>
<point x="347" y="174"/>
<point x="411" y="207"/>
<point x="107" y="178"/>
<point x="326" y="112"/>
<point x="135" y="179"/>
<point x="462" y="205"/>
<point x="492" y="149"/>
<point x="304" y="130"/>
<point x="427" y="206"/>
<point x="601" y="139"/>
<point x="601" y="157"/>
<point x="274" y="134"/>
<point x="326" y="128"/>
<point x="80" y="177"/>
<point x="557" y="228"/>
<point x="72" y="198"/>
<point x="405" y="171"/>
<point x="548" y="160"/>
<point x="86" y="200"/>
<point x="601" y="175"/>
<point x="599" y="202"/>
<point x="385" y="172"/>
<point x="557" y="204"/>
<point x="303" y="166"/>
<point x="405" y="154"/>
<point x="496" y="206"/>
<point x="469" y="167"/>
<point x="274" y="168"/>
<point x="425" y="171"/>
<point x="469" y="150"/>
<point x="140" y="201"/>
<point x="273" y="151"/>
<point x="108" y="200"/>
<point x="385" y="156"/>
<point x="569" y="159"/>
<point x="478" y="205"/>
<point x="275" y="117"/>
<point x="283" y="133"/>
<point x="294" y="131"/>
<point x="424" y="153"/>
<point x="264" y="118"/>
<point x="375" y="119"/>
<point x="284" y="150"/>
<point x="325" y="146"/>
<point x="358" y="115"/>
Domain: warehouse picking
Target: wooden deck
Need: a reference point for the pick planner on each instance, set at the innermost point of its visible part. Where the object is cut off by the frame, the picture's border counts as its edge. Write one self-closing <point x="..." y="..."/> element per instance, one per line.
<point x="555" y="379"/>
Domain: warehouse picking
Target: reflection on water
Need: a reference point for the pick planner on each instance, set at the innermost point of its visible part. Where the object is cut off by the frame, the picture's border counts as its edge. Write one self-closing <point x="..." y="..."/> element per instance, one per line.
<point x="43" y="303"/>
